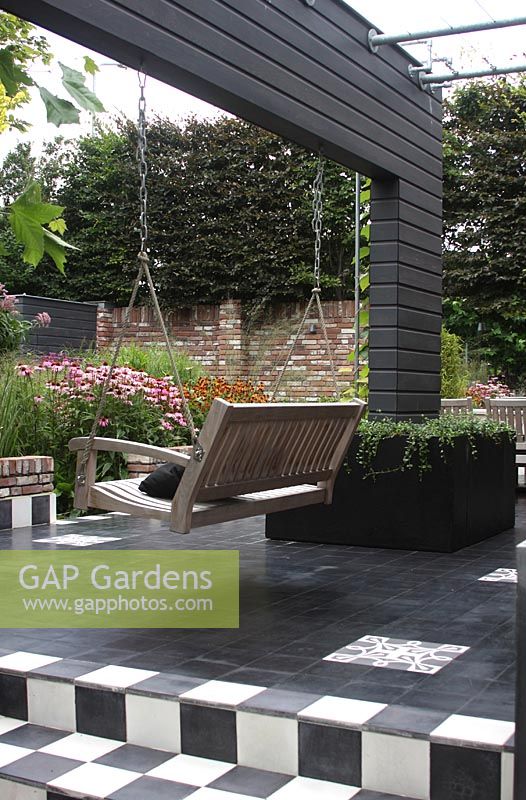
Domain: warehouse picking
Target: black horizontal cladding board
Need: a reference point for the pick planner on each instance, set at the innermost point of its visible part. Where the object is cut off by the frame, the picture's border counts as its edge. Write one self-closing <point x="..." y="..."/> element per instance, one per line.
<point x="408" y="405"/>
<point x="397" y="380"/>
<point x="404" y="360"/>
<point x="405" y="276"/>
<point x="178" y="47"/>
<point x="405" y="254"/>
<point x="390" y="294"/>
<point x="426" y="221"/>
<point x="389" y="230"/>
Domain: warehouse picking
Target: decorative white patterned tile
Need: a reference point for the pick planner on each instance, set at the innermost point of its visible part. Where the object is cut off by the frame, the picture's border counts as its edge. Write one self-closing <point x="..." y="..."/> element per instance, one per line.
<point x="506" y="776"/>
<point x="395" y="764"/>
<point x="410" y="655"/>
<point x="78" y="540"/>
<point x="223" y="693"/>
<point x="115" y="677"/>
<point x="311" y="789"/>
<point x="192" y="770"/>
<point x="98" y="779"/>
<point x="8" y="724"/>
<point x="81" y="746"/>
<point x="476" y="730"/>
<point x="153" y="722"/>
<point x="19" y="791"/>
<point x="51" y="703"/>
<point x="501" y="575"/>
<point x="24" y="662"/>
<point x="266" y="742"/>
<point x="10" y="753"/>
<point x="341" y="710"/>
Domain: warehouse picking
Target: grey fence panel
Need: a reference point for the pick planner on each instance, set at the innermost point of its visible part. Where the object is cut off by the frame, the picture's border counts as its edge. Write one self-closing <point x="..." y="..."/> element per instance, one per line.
<point x="73" y="325"/>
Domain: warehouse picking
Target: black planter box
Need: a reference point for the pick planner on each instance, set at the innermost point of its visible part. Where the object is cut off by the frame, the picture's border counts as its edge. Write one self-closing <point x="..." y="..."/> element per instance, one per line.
<point x="459" y="502"/>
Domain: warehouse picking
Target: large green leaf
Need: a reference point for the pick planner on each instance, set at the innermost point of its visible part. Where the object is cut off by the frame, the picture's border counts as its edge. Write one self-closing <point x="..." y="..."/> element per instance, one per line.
<point x="59" y="111"/>
<point x="11" y="75"/>
<point x="364" y="282"/>
<point x="90" y="66"/>
<point x="27" y="215"/>
<point x="74" y="83"/>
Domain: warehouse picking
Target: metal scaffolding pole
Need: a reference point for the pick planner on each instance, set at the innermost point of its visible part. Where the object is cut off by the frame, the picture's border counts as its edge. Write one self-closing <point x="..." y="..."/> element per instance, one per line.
<point x="476" y="73"/>
<point x="377" y="39"/>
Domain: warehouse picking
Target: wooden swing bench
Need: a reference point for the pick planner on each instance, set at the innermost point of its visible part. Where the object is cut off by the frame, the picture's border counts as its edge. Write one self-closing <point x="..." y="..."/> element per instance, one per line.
<point x="258" y="458"/>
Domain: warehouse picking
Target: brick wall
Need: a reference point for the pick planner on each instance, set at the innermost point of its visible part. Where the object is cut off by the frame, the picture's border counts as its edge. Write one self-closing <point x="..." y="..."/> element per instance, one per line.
<point x="231" y="344"/>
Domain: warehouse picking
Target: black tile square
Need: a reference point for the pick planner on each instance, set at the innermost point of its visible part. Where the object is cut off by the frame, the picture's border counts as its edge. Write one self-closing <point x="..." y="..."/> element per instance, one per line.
<point x="330" y="753"/>
<point x="40" y="767"/>
<point x="208" y="732"/>
<point x="6" y="514"/>
<point x="32" y="736"/>
<point x="165" y="685"/>
<point x="406" y="719"/>
<point x="40" y="509"/>
<point x="100" y="712"/>
<point x="13" y="696"/>
<point x="137" y="759"/>
<point x="251" y="782"/>
<point x="458" y="773"/>
<point x="279" y="702"/>
<point x="65" y="669"/>
<point x="150" y="789"/>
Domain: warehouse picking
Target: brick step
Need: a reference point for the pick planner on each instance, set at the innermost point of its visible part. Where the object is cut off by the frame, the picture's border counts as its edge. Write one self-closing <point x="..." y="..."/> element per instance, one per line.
<point x="349" y="744"/>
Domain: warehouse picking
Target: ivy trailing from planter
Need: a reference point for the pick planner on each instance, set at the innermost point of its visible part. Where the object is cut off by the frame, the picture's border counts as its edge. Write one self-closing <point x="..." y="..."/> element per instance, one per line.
<point x="417" y="439"/>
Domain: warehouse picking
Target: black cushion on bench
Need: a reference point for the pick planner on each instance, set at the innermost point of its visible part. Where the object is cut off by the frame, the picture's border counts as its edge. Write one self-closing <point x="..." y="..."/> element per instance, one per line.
<point x="163" y="482"/>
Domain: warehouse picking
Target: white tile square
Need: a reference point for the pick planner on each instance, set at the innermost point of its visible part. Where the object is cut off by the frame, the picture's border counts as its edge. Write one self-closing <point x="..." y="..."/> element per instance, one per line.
<point x="66" y="522"/>
<point x="98" y="779"/>
<point x="192" y="770"/>
<point x="396" y="765"/>
<point x="51" y="703"/>
<point x="311" y="789"/>
<point x="93" y="517"/>
<point x="81" y="746"/>
<point x="153" y="722"/>
<point x="266" y="742"/>
<point x="19" y="791"/>
<point x="10" y="753"/>
<point x="25" y="662"/>
<point x="9" y="724"/>
<point x="408" y="655"/>
<point x="223" y="693"/>
<point x="501" y="575"/>
<point x="341" y="710"/>
<point x="52" y="508"/>
<point x="506" y="776"/>
<point x="22" y="512"/>
<point x="78" y="540"/>
<point x="476" y="730"/>
<point x="115" y="677"/>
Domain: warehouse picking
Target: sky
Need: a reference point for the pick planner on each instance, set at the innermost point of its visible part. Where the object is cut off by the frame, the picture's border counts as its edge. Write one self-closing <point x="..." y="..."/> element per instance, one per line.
<point x="117" y="87"/>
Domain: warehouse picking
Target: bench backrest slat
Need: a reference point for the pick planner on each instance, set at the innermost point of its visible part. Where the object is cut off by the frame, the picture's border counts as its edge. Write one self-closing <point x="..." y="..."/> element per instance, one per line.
<point x="510" y="410"/>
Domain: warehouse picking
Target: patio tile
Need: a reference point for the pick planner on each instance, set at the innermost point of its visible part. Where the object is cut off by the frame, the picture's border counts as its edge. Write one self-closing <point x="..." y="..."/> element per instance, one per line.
<point x="31" y="736"/>
<point x="101" y="780"/>
<point x="277" y="701"/>
<point x="310" y="789"/>
<point x="501" y="575"/>
<point x="222" y="693"/>
<point x="10" y="753"/>
<point x="100" y="712"/>
<point x="40" y="767"/>
<point x="77" y="540"/>
<point x="253" y="782"/>
<point x="343" y="711"/>
<point x="474" y="730"/>
<point x="115" y="677"/>
<point x="395" y="764"/>
<point x="13" y="696"/>
<point x="25" y="662"/>
<point x="165" y="685"/>
<point x="464" y="772"/>
<point x="208" y="732"/>
<point x="81" y="746"/>
<point x="406" y="719"/>
<point x="147" y="788"/>
<point x="265" y="742"/>
<point x="8" y="724"/>
<point x="153" y="722"/>
<point x="409" y="655"/>
<point x="191" y="770"/>
<point x="329" y="753"/>
<point x="138" y="759"/>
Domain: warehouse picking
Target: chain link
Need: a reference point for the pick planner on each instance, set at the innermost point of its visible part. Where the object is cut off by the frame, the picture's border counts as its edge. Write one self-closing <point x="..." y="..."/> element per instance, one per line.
<point x="143" y="164"/>
<point x="317" y="218"/>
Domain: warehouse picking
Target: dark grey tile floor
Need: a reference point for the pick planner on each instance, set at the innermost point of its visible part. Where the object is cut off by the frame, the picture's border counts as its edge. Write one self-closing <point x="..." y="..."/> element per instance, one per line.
<point x="302" y="602"/>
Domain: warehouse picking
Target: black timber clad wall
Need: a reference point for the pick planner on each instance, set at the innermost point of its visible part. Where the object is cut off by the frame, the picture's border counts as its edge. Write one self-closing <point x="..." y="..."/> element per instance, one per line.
<point x="307" y="73"/>
<point x="73" y="325"/>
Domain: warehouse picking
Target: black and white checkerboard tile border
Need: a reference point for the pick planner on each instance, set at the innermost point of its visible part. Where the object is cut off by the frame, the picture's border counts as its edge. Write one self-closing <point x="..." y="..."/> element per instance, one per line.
<point x="27" y="510"/>
<point x="345" y="743"/>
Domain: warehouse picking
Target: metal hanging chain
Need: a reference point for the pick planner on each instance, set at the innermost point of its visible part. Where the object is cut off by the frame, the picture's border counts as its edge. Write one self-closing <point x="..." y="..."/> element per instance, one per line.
<point x="143" y="270"/>
<point x="317" y="220"/>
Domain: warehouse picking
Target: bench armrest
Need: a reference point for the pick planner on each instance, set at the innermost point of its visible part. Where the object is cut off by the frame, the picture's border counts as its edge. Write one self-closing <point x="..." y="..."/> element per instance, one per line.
<point x="137" y="448"/>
